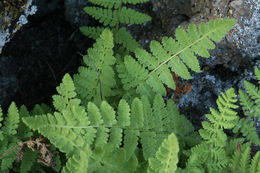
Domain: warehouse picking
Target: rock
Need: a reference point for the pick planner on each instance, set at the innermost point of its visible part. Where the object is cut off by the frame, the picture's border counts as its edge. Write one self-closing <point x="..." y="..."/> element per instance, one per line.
<point x="74" y="12"/>
<point x="12" y="18"/>
<point x="8" y="80"/>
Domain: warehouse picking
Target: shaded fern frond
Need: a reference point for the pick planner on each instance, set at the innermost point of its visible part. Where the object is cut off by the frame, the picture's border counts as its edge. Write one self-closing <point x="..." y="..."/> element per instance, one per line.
<point x="113" y="17"/>
<point x="115" y="3"/>
<point x="250" y="101"/>
<point x="107" y="3"/>
<point x="91" y="32"/>
<point x="95" y="80"/>
<point x="248" y="129"/>
<point x="8" y="136"/>
<point x="166" y="157"/>
<point x="176" y="55"/>
<point x="241" y="161"/>
<point x="28" y="160"/>
<point x="122" y="36"/>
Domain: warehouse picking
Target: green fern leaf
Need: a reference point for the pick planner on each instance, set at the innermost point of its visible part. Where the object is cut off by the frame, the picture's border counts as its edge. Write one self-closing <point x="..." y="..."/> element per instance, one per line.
<point x="224" y="119"/>
<point x="166" y="157"/>
<point x="107" y="3"/>
<point x="28" y="160"/>
<point x="253" y="91"/>
<point x="12" y="120"/>
<point x="105" y="16"/>
<point x="174" y="55"/>
<point x="122" y="36"/>
<point x="113" y="17"/>
<point x="255" y="164"/>
<point x="76" y="163"/>
<point x="96" y="80"/>
<point x="8" y="160"/>
<point x="123" y="114"/>
<point x="92" y="32"/>
<point x="129" y="16"/>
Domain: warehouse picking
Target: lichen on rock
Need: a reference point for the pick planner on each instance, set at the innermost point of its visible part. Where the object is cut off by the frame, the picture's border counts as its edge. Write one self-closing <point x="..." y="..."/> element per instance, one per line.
<point x="13" y="15"/>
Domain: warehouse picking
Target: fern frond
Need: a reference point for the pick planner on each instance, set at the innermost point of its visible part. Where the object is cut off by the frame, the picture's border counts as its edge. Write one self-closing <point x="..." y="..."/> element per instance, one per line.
<point x="8" y="160"/>
<point x="28" y="160"/>
<point x="223" y="119"/>
<point x="204" y="158"/>
<point x="113" y="17"/>
<point x="107" y="3"/>
<point x="95" y="80"/>
<point x="253" y="91"/>
<point x="175" y="55"/>
<point x="12" y="121"/>
<point x="247" y="104"/>
<point x="248" y="129"/>
<point x="122" y="36"/>
<point x="255" y="164"/>
<point x="167" y="156"/>
<point x="92" y="32"/>
<point x="240" y="161"/>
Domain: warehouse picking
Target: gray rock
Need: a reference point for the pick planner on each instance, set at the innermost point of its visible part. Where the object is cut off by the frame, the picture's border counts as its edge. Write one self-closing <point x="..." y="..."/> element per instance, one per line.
<point x="7" y="28"/>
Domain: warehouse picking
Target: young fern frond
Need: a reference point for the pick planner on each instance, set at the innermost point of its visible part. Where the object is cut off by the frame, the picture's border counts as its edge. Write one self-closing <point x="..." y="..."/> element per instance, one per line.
<point x="210" y="154"/>
<point x="175" y="55"/>
<point x="166" y="157"/>
<point x="225" y="118"/>
<point x="95" y="80"/>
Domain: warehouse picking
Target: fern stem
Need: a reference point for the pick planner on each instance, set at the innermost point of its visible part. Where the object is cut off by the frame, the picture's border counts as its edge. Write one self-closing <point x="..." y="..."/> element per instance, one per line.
<point x="12" y="150"/>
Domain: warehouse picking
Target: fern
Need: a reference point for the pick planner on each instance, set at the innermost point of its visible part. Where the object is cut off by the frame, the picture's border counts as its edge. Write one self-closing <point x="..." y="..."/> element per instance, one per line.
<point x="250" y="101"/>
<point x="176" y="55"/>
<point x="166" y="157"/>
<point x="8" y="138"/>
<point x="210" y="152"/>
<point x="111" y="13"/>
<point x="241" y="161"/>
<point x="95" y="134"/>
<point x="95" y="81"/>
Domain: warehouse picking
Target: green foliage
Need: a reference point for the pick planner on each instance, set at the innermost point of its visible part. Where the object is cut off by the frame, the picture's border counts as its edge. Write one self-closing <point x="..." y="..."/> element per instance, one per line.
<point x="111" y="116"/>
<point x="112" y="13"/>
<point x="176" y="55"/>
<point x="91" y="136"/>
<point x="96" y="80"/>
<point x="166" y="157"/>
<point x="250" y="101"/>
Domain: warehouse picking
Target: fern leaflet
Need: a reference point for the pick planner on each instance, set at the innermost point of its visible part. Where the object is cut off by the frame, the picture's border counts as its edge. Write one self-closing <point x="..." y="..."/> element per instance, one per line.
<point x="166" y="157"/>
